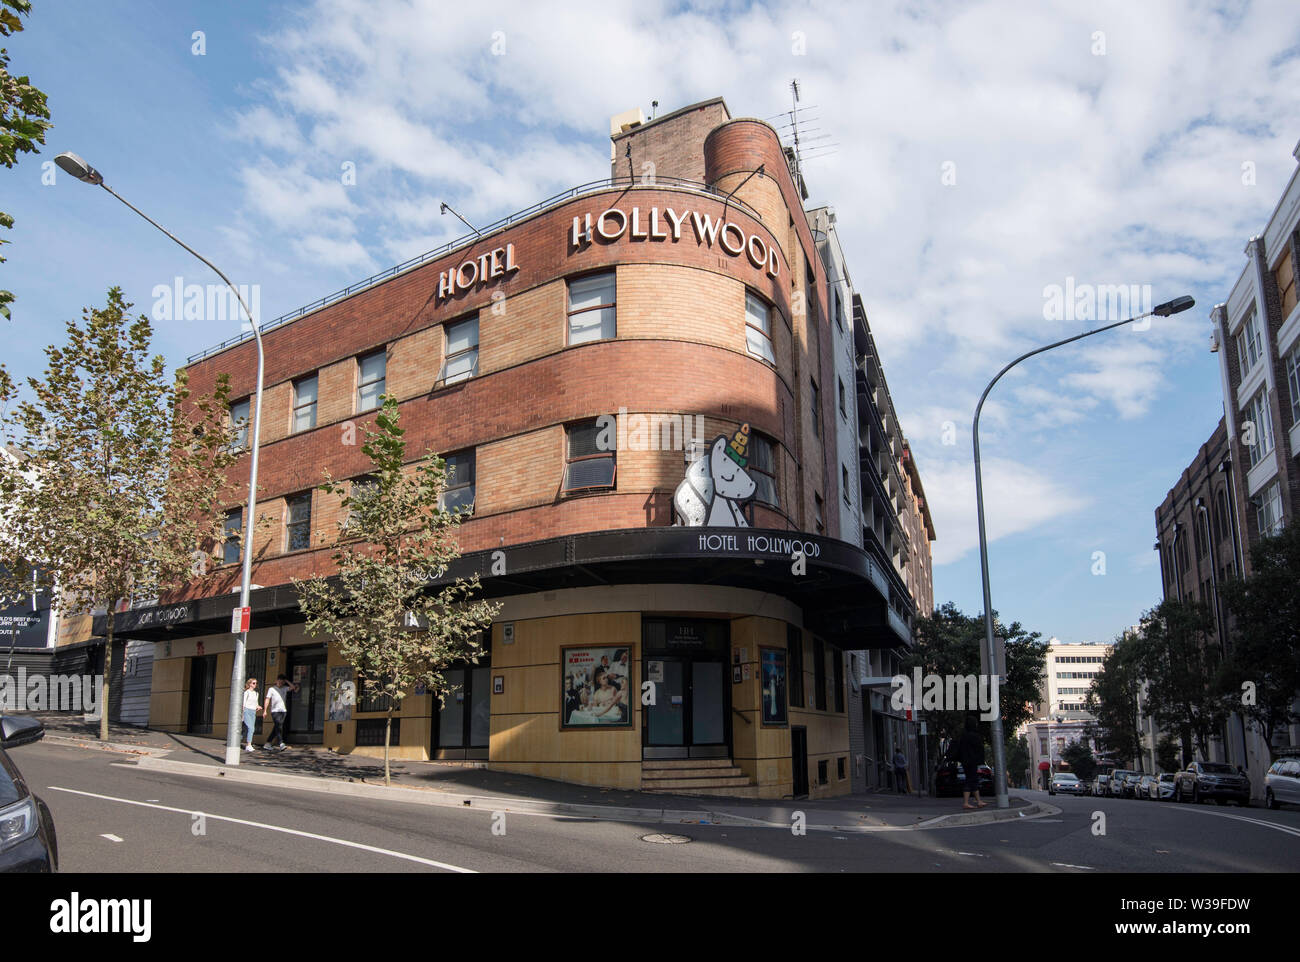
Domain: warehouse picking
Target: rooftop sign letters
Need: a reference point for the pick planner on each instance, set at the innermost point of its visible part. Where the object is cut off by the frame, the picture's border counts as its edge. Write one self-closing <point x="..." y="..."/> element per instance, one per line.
<point x="477" y="271"/>
<point x="615" y="223"/>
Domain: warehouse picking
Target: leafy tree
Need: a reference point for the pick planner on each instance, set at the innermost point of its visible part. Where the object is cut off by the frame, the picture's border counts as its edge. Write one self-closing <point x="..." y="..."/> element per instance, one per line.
<point x="123" y="474"/>
<point x="24" y="117"/>
<point x="1167" y="753"/>
<point x="386" y="621"/>
<point x="1078" y="755"/>
<point x="1180" y="661"/>
<point x="1261" y="675"/>
<point x="948" y="642"/>
<point x="1112" y="700"/>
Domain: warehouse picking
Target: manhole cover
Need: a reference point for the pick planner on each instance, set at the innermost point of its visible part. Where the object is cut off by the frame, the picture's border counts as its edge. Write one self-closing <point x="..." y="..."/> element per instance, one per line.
<point x="666" y="839"/>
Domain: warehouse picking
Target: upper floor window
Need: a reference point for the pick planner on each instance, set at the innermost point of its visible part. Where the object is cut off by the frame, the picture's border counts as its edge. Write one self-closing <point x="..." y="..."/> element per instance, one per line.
<point x="592" y="308"/>
<point x="758" y="328"/>
<point x="462" y="351"/>
<point x="372" y="371"/>
<point x="762" y="468"/>
<point x="816" y="410"/>
<point x="817" y="506"/>
<point x="459" y="493"/>
<point x="839" y="311"/>
<point x="304" y="403"/>
<point x="1293" y="381"/>
<point x="239" y="424"/>
<point x="844" y="404"/>
<point x="1269" y="515"/>
<point x="844" y="472"/>
<point x="232" y="526"/>
<point x="1259" y="416"/>
<point x="363" y="487"/>
<point x="298" y="522"/>
<point x="589" y="461"/>
<point x="1250" y="347"/>
<point x="1286" y="286"/>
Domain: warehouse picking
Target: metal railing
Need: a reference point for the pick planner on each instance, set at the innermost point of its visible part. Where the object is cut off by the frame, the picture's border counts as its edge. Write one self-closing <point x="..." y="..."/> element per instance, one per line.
<point x="592" y="187"/>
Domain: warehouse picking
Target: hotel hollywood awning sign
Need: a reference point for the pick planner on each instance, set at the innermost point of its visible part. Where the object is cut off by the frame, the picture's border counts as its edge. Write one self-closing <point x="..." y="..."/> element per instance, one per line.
<point x="615" y="223"/>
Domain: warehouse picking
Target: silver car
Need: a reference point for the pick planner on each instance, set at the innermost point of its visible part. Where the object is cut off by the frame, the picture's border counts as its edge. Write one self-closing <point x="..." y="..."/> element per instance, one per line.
<point x="1282" y="783"/>
<point x="1161" y="787"/>
<point x="1143" y="787"/>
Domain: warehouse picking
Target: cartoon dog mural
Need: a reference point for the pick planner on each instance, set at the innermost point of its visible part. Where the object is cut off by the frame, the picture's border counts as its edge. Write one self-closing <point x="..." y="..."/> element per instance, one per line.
<point x="717" y="485"/>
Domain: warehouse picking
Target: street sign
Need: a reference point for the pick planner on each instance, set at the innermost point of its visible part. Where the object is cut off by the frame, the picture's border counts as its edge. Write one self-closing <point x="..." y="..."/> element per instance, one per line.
<point x="240" y="619"/>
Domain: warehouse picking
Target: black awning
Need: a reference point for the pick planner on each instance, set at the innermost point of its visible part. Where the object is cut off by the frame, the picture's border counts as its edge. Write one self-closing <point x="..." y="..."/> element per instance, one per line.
<point x="835" y="590"/>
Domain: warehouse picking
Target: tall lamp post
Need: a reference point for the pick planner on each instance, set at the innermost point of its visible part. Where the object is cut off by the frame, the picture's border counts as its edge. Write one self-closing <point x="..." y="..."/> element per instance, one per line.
<point x="78" y="168"/>
<point x="1176" y="306"/>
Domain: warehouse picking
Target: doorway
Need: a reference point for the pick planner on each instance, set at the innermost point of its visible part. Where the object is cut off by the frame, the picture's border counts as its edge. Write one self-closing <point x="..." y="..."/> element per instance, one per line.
<point x="203" y="690"/>
<point x="686" y="661"/>
<point x="306" y="722"/>
<point x="799" y="760"/>
<point x="463" y="725"/>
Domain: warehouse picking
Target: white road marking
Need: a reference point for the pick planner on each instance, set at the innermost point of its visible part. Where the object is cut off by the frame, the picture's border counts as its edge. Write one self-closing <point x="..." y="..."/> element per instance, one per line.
<point x="1254" y="821"/>
<point x="1068" y="865"/>
<point x="274" y="828"/>
<point x="111" y="838"/>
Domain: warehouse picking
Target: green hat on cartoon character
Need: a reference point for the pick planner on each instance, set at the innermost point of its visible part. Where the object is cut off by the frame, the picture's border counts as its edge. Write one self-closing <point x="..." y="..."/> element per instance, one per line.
<point x="738" y="445"/>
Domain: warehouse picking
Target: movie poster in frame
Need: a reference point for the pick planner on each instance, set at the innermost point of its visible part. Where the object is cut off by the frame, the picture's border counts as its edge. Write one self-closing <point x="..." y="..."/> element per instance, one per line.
<point x="596" y="687"/>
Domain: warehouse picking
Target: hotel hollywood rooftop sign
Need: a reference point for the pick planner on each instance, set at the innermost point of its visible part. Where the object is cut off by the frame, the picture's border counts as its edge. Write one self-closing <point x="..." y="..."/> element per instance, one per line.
<point x="615" y="223"/>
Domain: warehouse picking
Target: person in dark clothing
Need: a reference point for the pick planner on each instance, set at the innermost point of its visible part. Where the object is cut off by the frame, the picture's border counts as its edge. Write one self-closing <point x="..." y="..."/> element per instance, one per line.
<point x="970" y="752"/>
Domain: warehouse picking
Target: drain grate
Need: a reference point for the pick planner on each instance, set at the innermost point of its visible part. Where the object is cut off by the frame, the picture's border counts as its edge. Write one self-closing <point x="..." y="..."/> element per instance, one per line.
<point x="661" y="839"/>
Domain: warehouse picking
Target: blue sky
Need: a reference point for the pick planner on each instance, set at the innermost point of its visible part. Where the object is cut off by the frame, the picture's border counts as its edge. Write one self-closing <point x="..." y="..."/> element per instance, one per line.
<point x="986" y="151"/>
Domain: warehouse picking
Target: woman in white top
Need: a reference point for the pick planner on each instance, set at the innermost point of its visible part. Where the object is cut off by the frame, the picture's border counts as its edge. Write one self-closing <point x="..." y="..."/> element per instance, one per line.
<point x="251" y="710"/>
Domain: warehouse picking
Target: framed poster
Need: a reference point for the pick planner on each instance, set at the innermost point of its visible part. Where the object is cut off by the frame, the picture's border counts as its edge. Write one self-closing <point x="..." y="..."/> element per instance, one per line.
<point x="774" y="682"/>
<point x="342" y="693"/>
<point x="596" y="687"/>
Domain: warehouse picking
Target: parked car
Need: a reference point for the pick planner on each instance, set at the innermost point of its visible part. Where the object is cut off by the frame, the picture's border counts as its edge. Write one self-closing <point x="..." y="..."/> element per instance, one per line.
<point x="1101" y="785"/>
<point x="1202" y="780"/>
<point x="1119" y="783"/>
<point x="27" y="840"/>
<point x="1162" y="786"/>
<point x="1067" y="783"/>
<point x="1143" y="788"/>
<point x="1282" y="783"/>
<point x="949" y="780"/>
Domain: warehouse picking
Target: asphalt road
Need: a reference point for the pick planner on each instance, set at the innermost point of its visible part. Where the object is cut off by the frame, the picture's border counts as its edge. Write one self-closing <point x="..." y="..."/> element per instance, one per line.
<point x="112" y="817"/>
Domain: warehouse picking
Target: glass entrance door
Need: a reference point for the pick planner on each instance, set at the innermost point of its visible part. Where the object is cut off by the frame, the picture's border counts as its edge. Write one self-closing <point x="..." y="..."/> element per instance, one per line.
<point x="685" y="660"/>
<point x="306" y="722"/>
<point x="203" y="685"/>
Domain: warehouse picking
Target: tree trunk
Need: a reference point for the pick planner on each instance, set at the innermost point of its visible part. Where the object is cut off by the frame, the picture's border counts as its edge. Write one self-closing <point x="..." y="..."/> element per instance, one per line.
<point x="106" y="683"/>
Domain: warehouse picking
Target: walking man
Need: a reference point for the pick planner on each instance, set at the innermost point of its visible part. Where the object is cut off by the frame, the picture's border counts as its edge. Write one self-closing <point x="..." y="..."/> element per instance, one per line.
<point x="277" y="707"/>
<point x="900" y="770"/>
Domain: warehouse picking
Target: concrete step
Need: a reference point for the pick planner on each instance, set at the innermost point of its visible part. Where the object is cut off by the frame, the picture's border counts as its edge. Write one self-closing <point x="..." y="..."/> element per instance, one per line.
<point x="654" y="764"/>
<point x="663" y="784"/>
<point x="730" y="791"/>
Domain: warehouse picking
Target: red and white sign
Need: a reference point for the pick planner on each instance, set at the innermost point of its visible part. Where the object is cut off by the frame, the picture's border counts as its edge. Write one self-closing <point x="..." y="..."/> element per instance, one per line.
<point x="239" y="620"/>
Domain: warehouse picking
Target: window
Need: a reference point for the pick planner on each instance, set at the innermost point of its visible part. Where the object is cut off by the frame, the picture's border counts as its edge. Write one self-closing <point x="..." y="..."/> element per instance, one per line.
<point x="817" y="509"/>
<point x="1257" y="413"/>
<point x="844" y="410"/>
<point x="239" y="424"/>
<point x="1249" y="346"/>
<point x="591" y="308"/>
<point x="816" y="410"/>
<point x="462" y="351"/>
<point x="233" y="525"/>
<point x="304" y="403"/>
<point x="844" y="484"/>
<point x="819" y="674"/>
<point x="794" y="645"/>
<point x="1269" y="514"/>
<point x="1293" y="381"/>
<point x="762" y="468"/>
<point x="1220" y="516"/>
<point x="1286" y="286"/>
<point x="460" y="483"/>
<point x="370" y="383"/>
<point x="373" y="698"/>
<point x="370" y="731"/>
<point x="837" y="660"/>
<point x="298" y="522"/>
<point x="839" y="311"/>
<point x="758" y="328"/>
<point x="1200" y="539"/>
<point x="823" y="768"/>
<point x="590" y="460"/>
<point x="839" y="768"/>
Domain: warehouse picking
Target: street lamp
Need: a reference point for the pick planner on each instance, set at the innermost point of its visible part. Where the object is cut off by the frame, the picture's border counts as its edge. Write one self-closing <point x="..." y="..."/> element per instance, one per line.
<point x="72" y="164"/>
<point x="1176" y="306"/>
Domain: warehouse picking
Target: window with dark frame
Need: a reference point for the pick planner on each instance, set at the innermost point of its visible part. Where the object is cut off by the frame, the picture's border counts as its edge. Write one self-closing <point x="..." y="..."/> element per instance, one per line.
<point x="837" y="661"/>
<point x="818" y="509"/>
<point x="819" y="674"/>
<point x="462" y="351"/>
<point x="762" y="468"/>
<point x="844" y="410"/>
<point x="758" y="328"/>
<point x="298" y="522"/>
<point x="816" y="406"/>
<point x="794" y="646"/>
<point x="375" y="699"/>
<point x="592" y="310"/>
<point x="844" y="485"/>
<point x="839" y="768"/>
<point x="371" y="378"/>
<point x="304" y="403"/>
<point x="588" y="465"/>
<point x="459" y="494"/>
<point x="239" y="411"/>
<point x="233" y="527"/>
<point x="370" y="731"/>
<point x="823" y="771"/>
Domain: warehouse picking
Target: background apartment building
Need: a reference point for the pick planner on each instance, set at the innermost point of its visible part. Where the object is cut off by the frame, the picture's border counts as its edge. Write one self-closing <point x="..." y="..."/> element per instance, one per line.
<point x="1061" y="715"/>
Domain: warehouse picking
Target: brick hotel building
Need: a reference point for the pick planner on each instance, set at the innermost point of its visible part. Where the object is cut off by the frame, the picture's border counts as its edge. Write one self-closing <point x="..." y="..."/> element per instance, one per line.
<point x="685" y="293"/>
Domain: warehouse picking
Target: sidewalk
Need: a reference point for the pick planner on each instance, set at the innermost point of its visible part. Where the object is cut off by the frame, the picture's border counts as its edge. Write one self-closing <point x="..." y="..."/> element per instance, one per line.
<point x="312" y="768"/>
